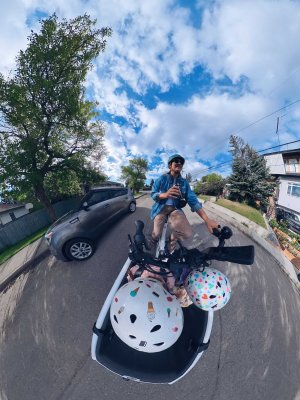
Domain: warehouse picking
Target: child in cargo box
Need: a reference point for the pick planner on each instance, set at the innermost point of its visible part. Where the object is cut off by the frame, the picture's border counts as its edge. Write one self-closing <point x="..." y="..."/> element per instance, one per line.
<point x="168" y="282"/>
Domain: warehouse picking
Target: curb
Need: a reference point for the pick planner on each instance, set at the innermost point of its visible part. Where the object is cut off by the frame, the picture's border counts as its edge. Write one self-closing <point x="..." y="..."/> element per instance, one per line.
<point x="141" y="195"/>
<point x="272" y="237"/>
<point x="250" y="229"/>
<point x="40" y="253"/>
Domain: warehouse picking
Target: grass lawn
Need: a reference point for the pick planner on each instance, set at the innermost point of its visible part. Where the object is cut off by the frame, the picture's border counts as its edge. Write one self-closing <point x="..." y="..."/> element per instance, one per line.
<point x="10" y="251"/>
<point x="204" y="197"/>
<point x="249" y="212"/>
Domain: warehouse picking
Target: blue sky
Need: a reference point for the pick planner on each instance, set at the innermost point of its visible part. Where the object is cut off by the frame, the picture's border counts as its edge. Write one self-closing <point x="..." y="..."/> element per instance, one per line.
<point x="181" y="76"/>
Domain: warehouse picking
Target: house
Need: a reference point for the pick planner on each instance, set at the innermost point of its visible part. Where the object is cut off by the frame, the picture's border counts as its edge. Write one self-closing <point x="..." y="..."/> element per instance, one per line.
<point x="285" y="167"/>
<point x="193" y="184"/>
<point x="10" y="212"/>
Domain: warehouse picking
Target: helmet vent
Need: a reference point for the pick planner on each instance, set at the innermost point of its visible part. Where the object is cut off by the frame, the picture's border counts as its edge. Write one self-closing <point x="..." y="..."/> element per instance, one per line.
<point x="159" y="344"/>
<point x="155" y="294"/>
<point x="116" y="319"/>
<point x="132" y="337"/>
<point x="155" y="328"/>
<point x="132" y="318"/>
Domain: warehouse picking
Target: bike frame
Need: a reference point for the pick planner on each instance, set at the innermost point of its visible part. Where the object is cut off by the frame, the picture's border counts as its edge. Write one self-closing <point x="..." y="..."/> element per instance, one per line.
<point x="162" y="241"/>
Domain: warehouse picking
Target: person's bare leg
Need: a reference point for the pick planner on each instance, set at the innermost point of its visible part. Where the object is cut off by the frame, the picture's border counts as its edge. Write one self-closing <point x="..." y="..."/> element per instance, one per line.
<point x="181" y="228"/>
<point x="158" y="224"/>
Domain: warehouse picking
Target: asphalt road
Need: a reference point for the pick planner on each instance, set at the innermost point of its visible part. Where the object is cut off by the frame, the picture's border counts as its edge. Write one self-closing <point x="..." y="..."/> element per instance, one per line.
<point x="46" y="319"/>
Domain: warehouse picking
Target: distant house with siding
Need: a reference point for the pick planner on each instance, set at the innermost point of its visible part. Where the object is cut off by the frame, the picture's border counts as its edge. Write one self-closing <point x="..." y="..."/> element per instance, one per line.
<point x="11" y="212"/>
<point x="285" y="167"/>
<point x="193" y="184"/>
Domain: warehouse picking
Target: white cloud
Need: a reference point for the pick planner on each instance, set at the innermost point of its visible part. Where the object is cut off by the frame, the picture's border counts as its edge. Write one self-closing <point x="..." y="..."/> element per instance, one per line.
<point x="253" y="39"/>
<point x="154" y="45"/>
<point x="257" y="39"/>
<point x="201" y="126"/>
<point x="200" y="129"/>
<point x="13" y="33"/>
<point x="114" y="143"/>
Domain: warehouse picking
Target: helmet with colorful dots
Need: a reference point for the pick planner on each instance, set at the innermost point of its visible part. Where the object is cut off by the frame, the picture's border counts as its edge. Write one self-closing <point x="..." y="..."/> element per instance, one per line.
<point x="209" y="290"/>
<point x="145" y="316"/>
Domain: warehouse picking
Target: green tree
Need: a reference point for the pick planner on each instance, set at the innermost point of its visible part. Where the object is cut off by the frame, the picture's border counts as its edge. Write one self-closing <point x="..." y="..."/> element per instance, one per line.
<point x="212" y="178"/>
<point x="250" y="181"/>
<point x="135" y="173"/>
<point x="68" y="183"/>
<point x="48" y="129"/>
<point x="211" y="184"/>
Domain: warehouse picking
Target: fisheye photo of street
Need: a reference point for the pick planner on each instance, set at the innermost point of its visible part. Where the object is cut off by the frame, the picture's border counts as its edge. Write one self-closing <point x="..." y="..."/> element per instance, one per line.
<point x="149" y="200"/>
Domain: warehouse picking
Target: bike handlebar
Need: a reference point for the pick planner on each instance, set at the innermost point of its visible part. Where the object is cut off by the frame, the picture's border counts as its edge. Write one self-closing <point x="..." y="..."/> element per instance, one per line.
<point x="188" y="258"/>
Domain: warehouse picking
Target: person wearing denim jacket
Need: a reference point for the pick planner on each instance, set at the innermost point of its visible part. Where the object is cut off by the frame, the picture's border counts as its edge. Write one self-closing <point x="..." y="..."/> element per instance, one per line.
<point x="168" y="191"/>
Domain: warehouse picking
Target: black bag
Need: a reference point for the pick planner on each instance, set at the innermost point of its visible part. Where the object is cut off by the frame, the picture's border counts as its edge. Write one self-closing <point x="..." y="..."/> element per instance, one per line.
<point x="182" y="202"/>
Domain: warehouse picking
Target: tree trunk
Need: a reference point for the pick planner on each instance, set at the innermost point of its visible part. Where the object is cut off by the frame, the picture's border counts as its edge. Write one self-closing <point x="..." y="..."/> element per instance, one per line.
<point x="42" y="197"/>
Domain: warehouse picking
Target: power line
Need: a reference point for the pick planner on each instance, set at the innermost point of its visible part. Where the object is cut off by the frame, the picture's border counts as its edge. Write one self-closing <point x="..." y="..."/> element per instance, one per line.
<point x="284" y="144"/>
<point x="229" y="162"/>
<point x="269" y="115"/>
<point x="258" y="120"/>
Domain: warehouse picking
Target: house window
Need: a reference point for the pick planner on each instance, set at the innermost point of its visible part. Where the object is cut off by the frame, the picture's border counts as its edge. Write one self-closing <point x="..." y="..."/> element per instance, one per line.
<point x="293" y="189"/>
<point x="292" y="165"/>
<point x="12" y="216"/>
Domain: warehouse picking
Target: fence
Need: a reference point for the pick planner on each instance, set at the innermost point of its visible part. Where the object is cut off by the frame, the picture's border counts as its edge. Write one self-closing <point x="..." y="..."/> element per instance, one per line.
<point x="29" y="224"/>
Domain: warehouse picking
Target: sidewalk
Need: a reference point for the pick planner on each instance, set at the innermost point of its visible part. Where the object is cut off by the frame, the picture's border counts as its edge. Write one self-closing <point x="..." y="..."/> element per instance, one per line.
<point x="23" y="260"/>
<point x="37" y="251"/>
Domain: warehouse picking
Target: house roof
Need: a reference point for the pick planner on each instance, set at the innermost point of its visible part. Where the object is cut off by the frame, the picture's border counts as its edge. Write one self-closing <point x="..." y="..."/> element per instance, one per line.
<point x="7" y="207"/>
<point x="284" y="152"/>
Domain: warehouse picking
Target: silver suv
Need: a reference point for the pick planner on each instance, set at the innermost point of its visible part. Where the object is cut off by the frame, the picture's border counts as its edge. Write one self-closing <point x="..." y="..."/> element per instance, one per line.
<point x="74" y="235"/>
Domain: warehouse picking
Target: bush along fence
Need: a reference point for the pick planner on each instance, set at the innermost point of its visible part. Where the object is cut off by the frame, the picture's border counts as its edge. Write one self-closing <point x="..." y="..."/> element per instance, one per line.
<point x="29" y="224"/>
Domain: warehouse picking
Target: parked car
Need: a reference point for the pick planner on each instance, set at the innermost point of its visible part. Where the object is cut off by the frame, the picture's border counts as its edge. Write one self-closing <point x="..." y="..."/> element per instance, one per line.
<point x="74" y="235"/>
<point x="292" y="219"/>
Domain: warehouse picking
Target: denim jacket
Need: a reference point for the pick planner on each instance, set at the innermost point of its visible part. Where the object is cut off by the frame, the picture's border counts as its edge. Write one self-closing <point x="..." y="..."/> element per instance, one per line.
<point x="163" y="184"/>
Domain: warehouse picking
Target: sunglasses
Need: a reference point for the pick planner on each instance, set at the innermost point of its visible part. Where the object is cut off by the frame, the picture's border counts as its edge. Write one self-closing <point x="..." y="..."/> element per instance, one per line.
<point x="178" y="161"/>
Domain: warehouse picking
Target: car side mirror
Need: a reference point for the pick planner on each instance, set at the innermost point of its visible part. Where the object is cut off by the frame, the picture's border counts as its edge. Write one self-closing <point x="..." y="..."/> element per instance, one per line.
<point x="85" y="206"/>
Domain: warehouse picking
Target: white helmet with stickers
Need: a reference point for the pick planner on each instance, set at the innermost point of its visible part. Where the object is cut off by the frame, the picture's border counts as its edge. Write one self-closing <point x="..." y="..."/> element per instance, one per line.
<point x="209" y="290"/>
<point x="145" y="316"/>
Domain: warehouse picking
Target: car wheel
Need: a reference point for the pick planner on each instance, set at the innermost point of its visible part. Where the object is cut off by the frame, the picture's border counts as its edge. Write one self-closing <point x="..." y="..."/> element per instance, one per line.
<point x="132" y="207"/>
<point x="79" y="249"/>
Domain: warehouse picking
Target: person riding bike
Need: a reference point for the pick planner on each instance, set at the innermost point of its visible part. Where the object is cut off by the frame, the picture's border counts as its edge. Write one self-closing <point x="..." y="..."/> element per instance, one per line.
<point x="171" y="192"/>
